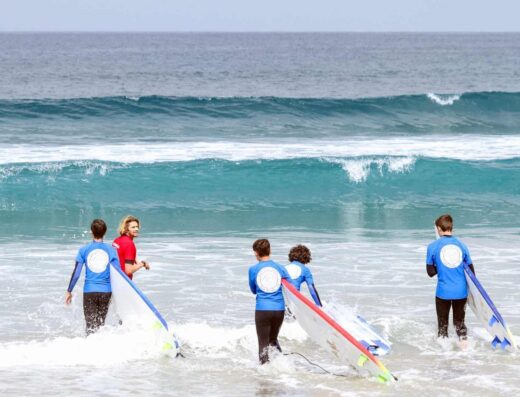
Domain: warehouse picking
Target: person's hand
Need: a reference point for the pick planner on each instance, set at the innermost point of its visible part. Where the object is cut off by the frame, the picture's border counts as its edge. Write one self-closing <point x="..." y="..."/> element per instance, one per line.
<point x="145" y="265"/>
<point x="68" y="298"/>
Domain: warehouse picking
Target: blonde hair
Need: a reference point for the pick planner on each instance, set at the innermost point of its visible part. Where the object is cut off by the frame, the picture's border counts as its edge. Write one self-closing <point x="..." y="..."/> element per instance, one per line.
<point x="123" y="225"/>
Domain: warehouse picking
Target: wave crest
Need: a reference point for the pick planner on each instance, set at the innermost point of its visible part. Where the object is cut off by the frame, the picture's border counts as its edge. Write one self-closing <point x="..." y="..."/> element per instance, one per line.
<point x="358" y="170"/>
<point x="443" y="100"/>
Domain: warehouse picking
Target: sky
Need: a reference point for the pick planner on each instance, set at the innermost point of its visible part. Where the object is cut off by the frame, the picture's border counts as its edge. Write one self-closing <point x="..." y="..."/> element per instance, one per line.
<point x="261" y="16"/>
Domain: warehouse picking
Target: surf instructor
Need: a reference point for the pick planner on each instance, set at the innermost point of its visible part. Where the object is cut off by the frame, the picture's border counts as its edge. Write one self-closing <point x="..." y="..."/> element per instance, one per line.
<point x="98" y="257"/>
<point x="125" y="246"/>
<point x="265" y="281"/>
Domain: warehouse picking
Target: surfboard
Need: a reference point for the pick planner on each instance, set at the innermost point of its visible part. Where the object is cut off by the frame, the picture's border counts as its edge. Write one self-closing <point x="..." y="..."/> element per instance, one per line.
<point x="486" y="311"/>
<point x="326" y="332"/>
<point x="133" y="307"/>
<point x="360" y="329"/>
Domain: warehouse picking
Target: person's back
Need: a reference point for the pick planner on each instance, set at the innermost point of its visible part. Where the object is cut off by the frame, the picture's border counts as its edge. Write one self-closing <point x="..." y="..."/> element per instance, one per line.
<point x="265" y="281"/>
<point x="97" y="257"/>
<point x="449" y="254"/>
<point x="447" y="257"/>
<point x="97" y="291"/>
<point x="300" y="256"/>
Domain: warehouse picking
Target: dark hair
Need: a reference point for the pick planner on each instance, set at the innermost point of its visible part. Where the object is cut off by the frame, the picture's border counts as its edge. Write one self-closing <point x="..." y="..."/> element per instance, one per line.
<point x="262" y="247"/>
<point x="98" y="227"/>
<point x="300" y="253"/>
<point x="445" y="222"/>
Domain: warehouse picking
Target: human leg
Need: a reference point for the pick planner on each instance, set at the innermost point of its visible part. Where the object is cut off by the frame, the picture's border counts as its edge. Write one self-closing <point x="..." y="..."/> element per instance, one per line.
<point x="90" y="312"/>
<point x="276" y="324"/>
<point x="443" y="314"/>
<point x="263" y="328"/>
<point x="459" y="315"/>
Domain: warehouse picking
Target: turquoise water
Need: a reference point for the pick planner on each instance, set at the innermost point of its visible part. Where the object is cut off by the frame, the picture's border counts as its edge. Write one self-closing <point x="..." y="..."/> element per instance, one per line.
<point x="222" y="196"/>
<point x="221" y="164"/>
<point x="350" y="143"/>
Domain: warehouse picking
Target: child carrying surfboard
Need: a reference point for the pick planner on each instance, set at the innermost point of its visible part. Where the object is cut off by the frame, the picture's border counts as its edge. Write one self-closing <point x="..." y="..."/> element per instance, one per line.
<point x="446" y="257"/>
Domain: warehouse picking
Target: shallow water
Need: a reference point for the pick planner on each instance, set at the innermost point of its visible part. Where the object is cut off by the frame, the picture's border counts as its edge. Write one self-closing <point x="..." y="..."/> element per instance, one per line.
<point x="200" y="286"/>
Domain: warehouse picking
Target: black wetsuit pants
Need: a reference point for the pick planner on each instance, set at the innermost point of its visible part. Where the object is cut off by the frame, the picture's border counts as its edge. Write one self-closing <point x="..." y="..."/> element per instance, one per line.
<point x="268" y="324"/>
<point x="459" y="313"/>
<point x="95" y="308"/>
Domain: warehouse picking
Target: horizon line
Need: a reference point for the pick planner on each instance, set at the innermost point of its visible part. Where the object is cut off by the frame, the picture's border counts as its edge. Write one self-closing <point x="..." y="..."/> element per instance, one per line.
<point x="265" y="31"/>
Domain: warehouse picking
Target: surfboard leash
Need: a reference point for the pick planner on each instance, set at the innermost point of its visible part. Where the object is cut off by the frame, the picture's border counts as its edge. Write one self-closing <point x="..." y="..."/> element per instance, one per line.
<point x="316" y="365"/>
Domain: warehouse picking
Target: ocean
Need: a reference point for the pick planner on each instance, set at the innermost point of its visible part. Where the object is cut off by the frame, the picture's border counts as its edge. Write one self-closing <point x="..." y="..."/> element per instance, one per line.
<point x="349" y="143"/>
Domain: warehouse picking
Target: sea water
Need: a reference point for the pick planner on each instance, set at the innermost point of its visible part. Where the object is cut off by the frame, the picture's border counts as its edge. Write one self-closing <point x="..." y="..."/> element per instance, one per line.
<point x="349" y="143"/>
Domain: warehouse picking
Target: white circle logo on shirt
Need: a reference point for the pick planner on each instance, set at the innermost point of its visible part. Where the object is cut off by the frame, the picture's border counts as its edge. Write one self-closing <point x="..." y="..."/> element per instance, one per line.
<point x="268" y="279"/>
<point x="451" y="255"/>
<point x="294" y="271"/>
<point x="97" y="260"/>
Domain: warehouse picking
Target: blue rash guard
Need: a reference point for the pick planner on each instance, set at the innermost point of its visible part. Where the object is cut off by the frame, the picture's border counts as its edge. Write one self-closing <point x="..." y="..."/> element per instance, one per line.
<point x="448" y="255"/>
<point x="300" y="273"/>
<point x="265" y="280"/>
<point x="98" y="257"/>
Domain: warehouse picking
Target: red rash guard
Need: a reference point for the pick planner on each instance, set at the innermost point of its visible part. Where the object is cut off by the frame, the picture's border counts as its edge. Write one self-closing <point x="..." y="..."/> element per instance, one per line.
<point x="126" y="251"/>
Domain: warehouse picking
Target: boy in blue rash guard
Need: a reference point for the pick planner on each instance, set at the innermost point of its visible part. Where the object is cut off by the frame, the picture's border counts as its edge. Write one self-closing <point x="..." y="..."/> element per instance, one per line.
<point x="98" y="257"/>
<point x="265" y="281"/>
<point x="445" y="258"/>
<point x="299" y="256"/>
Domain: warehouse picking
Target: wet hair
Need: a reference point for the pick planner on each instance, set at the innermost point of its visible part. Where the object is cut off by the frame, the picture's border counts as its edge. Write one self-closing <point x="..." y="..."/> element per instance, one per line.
<point x="123" y="225"/>
<point x="98" y="228"/>
<point x="262" y="247"/>
<point x="300" y="253"/>
<point x="445" y="222"/>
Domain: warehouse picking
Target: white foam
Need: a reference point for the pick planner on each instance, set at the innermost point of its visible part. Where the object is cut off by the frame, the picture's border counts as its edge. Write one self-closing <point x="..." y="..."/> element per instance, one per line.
<point x="53" y="168"/>
<point x="443" y="101"/>
<point x="461" y="147"/>
<point x="109" y="346"/>
<point x="358" y="170"/>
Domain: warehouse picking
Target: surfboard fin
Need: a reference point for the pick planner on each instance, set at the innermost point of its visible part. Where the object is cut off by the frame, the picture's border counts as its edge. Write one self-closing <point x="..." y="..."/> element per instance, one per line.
<point x="167" y="346"/>
<point x="492" y="321"/>
<point x="505" y="343"/>
<point x="382" y="378"/>
<point x="362" y="360"/>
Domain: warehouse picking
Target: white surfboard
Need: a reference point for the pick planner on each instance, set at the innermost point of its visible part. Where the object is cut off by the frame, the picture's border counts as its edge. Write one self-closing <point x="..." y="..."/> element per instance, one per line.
<point x="133" y="307"/>
<point x="360" y="329"/>
<point x="486" y="311"/>
<point x="325" y="331"/>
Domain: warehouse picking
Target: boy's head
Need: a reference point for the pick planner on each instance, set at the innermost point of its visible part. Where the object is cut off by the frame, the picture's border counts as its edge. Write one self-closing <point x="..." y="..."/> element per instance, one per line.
<point x="444" y="222"/>
<point x="262" y="247"/>
<point x="98" y="228"/>
<point x="300" y="253"/>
